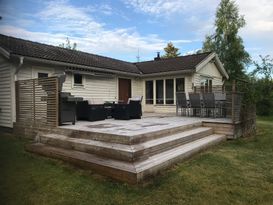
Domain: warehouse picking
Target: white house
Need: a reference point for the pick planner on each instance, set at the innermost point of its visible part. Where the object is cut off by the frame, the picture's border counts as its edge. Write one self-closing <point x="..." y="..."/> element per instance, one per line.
<point x="101" y="78"/>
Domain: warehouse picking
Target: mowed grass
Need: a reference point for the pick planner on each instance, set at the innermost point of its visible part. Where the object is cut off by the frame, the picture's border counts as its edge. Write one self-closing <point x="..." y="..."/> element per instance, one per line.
<point x="235" y="172"/>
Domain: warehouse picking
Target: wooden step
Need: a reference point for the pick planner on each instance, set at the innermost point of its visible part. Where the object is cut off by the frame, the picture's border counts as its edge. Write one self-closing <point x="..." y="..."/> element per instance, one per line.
<point x="131" y="172"/>
<point x="125" y="139"/>
<point x="126" y="152"/>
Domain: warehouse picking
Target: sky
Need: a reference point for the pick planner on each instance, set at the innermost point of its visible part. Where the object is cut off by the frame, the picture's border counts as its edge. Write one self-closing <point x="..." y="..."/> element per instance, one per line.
<point x="125" y="29"/>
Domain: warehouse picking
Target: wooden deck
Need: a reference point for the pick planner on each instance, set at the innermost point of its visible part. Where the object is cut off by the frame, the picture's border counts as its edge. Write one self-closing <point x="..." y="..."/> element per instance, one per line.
<point x="130" y="151"/>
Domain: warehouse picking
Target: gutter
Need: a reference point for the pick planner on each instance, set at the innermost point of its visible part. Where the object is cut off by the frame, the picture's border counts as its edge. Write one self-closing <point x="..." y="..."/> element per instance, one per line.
<point x="21" y="62"/>
<point x="188" y="71"/>
<point x="76" y="65"/>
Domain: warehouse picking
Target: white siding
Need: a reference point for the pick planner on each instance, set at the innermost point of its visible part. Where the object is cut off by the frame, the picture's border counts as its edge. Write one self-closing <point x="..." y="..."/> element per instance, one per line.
<point x="5" y="93"/>
<point x="137" y="87"/>
<point x="95" y="88"/>
<point x="209" y="70"/>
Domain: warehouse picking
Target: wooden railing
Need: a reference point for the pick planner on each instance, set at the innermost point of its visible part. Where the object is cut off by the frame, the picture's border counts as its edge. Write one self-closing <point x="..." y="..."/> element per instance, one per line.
<point x="37" y="102"/>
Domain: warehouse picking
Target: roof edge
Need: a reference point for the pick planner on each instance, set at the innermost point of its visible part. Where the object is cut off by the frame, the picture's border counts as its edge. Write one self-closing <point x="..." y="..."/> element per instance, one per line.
<point x="188" y="71"/>
<point x="42" y="60"/>
<point x="218" y="64"/>
<point x="4" y="52"/>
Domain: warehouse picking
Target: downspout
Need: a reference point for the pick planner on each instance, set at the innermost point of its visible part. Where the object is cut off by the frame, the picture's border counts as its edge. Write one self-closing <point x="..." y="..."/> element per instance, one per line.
<point x="21" y="62"/>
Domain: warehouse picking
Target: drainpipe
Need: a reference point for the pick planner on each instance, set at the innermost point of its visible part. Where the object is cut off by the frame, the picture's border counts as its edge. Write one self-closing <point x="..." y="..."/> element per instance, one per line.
<point x="21" y="62"/>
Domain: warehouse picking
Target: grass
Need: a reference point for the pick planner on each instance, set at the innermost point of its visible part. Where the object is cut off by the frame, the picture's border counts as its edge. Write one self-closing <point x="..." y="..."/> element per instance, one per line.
<point x="235" y="172"/>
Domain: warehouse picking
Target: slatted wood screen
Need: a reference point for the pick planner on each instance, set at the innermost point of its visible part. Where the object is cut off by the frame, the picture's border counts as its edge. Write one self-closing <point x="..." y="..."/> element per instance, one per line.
<point x="37" y="102"/>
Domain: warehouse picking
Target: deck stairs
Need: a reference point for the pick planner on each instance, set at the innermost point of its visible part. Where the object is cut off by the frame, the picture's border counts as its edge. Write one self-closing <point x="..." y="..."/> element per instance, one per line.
<point x="132" y="158"/>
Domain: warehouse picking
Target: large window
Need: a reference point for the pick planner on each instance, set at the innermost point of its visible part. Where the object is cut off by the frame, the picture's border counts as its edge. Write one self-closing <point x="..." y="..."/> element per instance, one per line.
<point x="206" y="85"/>
<point x="159" y="92"/>
<point x="78" y="79"/>
<point x="180" y="85"/>
<point x="149" y="86"/>
<point x="169" y="91"/>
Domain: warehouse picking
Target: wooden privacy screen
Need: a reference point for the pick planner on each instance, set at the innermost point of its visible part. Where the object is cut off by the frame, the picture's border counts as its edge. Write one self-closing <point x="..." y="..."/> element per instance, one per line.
<point x="37" y="102"/>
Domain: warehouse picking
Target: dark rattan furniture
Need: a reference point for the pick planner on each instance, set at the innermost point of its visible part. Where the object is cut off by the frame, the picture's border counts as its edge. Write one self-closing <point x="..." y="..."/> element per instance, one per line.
<point x="132" y="110"/>
<point x="195" y="104"/>
<point x="181" y="103"/>
<point x="90" y="112"/>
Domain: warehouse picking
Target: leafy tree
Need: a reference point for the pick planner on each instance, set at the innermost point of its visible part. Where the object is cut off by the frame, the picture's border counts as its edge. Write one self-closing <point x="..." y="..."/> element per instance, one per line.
<point x="262" y="75"/>
<point x="265" y="69"/>
<point x="171" y="51"/>
<point x="68" y="45"/>
<point x="226" y="42"/>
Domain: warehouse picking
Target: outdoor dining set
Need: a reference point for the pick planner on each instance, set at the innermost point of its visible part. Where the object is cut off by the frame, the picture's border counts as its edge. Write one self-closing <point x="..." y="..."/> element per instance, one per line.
<point x="201" y="104"/>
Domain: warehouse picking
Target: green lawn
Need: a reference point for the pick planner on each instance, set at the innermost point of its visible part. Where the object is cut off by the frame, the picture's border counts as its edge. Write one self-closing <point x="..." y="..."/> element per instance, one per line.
<point x="235" y="172"/>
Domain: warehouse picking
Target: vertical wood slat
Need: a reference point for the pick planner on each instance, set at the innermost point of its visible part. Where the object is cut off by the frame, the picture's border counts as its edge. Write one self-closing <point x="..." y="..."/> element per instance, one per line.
<point x="37" y="102"/>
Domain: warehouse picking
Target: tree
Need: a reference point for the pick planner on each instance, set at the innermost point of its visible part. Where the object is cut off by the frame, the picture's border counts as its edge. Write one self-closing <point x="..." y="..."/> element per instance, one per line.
<point x="265" y="69"/>
<point x="170" y="51"/>
<point x="262" y="75"/>
<point x="68" y="45"/>
<point x="226" y="42"/>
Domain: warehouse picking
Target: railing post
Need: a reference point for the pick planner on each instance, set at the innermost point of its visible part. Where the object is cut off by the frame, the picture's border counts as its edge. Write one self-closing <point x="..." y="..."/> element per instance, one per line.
<point x="34" y="106"/>
<point x="233" y="100"/>
<point x="17" y="93"/>
<point x="57" y="102"/>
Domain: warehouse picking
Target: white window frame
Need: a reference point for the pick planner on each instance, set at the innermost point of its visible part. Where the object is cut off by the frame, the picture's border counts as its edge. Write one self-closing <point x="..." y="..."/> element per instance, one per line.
<point x="78" y="85"/>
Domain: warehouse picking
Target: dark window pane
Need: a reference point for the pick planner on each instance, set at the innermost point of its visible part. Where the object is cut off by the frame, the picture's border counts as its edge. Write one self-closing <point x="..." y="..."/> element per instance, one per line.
<point x="210" y="86"/>
<point x="78" y="79"/>
<point x="180" y="85"/>
<point x="149" y="91"/>
<point x="169" y="91"/>
<point x="159" y="92"/>
<point x="42" y="75"/>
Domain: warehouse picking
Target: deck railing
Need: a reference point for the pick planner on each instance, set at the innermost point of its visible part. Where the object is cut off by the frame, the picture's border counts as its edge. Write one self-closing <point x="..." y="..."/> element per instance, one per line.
<point x="37" y="102"/>
<point x="235" y="107"/>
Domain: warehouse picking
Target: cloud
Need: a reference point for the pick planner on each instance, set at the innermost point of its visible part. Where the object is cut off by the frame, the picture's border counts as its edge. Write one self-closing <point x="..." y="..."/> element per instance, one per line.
<point x="166" y="8"/>
<point x="258" y="15"/>
<point x="257" y="33"/>
<point x="61" y="20"/>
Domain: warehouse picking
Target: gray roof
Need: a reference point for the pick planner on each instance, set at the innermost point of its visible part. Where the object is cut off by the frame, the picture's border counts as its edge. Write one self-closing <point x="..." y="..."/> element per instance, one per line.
<point x="48" y="52"/>
<point x="38" y="50"/>
<point x="188" y="62"/>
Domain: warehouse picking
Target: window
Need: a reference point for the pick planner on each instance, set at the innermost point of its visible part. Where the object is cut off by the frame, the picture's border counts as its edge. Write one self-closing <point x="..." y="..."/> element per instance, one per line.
<point x="149" y="87"/>
<point x="42" y="75"/>
<point x="78" y="79"/>
<point x="169" y="91"/>
<point x="180" y="85"/>
<point x="159" y="92"/>
<point x="206" y="86"/>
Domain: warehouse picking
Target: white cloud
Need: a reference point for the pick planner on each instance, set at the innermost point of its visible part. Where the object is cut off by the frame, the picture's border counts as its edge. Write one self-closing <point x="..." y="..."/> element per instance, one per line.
<point x="259" y="26"/>
<point x="169" y="7"/>
<point x="258" y="15"/>
<point x="61" y="19"/>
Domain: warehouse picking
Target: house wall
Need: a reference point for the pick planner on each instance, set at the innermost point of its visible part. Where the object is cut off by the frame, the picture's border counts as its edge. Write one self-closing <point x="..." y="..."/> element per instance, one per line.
<point x="94" y="88"/>
<point x="6" y="86"/>
<point x="97" y="88"/>
<point x="208" y="71"/>
<point x="164" y="108"/>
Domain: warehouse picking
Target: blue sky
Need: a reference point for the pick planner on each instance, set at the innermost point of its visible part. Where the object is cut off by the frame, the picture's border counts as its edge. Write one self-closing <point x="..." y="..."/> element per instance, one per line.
<point x="119" y="28"/>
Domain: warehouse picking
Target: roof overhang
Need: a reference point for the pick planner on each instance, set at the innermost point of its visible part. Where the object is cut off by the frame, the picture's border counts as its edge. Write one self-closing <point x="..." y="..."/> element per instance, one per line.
<point x="218" y="64"/>
<point x="91" y="68"/>
<point x="189" y="71"/>
<point x="4" y="52"/>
